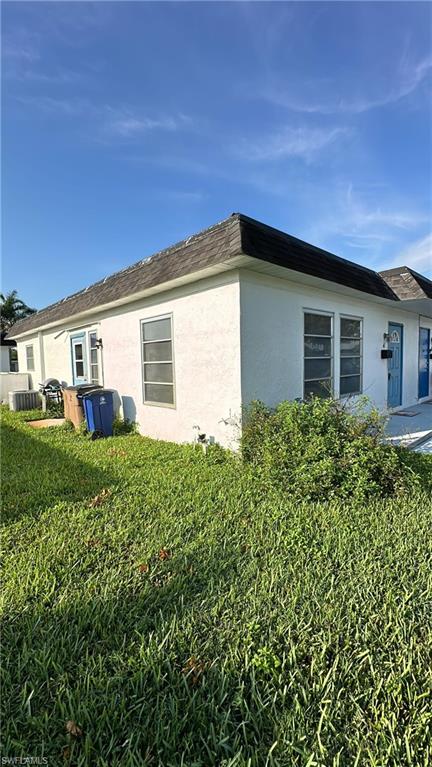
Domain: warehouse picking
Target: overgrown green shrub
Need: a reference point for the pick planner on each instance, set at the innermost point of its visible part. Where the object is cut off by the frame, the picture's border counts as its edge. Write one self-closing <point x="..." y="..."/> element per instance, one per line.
<point x="122" y="427"/>
<point x="321" y="449"/>
<point x="217" y="454"/>
<point x="55" y="409"/>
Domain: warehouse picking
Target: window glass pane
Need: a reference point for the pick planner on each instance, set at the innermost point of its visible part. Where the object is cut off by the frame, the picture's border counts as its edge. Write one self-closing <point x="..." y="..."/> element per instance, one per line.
<point x="350" y="385"/>
<point x="314" y="346"/>
<point x="317" y="324"/>
<point x="350" y="328"/>
<point x="315" y="368"/>
<point x="161" y="372"/>
<point x="79" y="369"/>
<point x="13" y="360"/>
<point x="159" y="393"/>
<point x="78" y="352"/>
<point x="29" y="357"/>
<point x="317" y="388"/>
<point x="93" y="340"/>
<point x="349" y="365"/>
<point x="157" y="330"/>
<point x="350" y="348"/>
<point x="93" y="356"/>
<point x="160" y="350"/>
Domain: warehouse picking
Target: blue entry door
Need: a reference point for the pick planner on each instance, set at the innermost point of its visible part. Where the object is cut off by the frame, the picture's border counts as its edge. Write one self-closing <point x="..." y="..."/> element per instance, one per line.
<point x="424" y="364"/>
<point x="394" y="370"/>
<point x="79" y="359"/>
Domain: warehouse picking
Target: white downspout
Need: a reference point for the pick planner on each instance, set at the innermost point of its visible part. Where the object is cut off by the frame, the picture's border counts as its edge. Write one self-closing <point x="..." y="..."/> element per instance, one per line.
<point x="41" y="357"/>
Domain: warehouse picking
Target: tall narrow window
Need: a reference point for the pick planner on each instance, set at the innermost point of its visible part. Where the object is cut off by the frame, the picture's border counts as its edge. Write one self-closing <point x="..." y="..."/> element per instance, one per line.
<point x="13" y="359"/>
<point x="350" y="356"/>
<point x="318" y="355"/>
<point x="94" y="360"/>
<point x="158" y="368"/>
<point x="30" y="358"/>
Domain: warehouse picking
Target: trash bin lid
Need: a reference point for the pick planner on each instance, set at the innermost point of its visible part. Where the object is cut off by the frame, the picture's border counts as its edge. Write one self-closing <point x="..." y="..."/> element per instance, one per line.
<point x="81" y="388"/>
<point x="96" y="392"/>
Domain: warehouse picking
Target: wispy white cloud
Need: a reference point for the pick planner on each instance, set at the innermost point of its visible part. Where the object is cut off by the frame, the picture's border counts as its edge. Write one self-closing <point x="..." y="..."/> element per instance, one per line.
<point x="25" y="49"/>
<point x="376" y="218"/>
<point x="408" y="78"/>
<point x="418" y="256"/>
<point x="108" y="123"/>
<point x="372" y="221"/>
<point x="20" y="50"/>
<point x="60" y="106"/>
<point x="304" y="143"/>
<point x="131" y="123"/>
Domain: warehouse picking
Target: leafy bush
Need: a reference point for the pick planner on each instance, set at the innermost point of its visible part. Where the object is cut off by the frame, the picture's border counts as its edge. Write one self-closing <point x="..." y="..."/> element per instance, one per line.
<point x="122" y="427"/>
<point x="320" y="449"/>
<point x="217" y="454"/>
<point x="55" y="409"/>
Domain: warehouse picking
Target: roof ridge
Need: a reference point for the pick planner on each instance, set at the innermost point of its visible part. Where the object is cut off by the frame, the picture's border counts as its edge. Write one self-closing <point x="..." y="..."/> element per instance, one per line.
<point x="304" y="243"/>
<point x="138" y="264"/>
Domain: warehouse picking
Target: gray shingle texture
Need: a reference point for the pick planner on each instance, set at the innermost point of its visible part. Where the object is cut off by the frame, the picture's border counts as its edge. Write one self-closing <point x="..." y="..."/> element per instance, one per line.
<point x="234" y="236"/>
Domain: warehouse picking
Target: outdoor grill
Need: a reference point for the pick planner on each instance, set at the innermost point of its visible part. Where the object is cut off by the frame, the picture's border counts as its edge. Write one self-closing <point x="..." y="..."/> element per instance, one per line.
<point x="51" y="390"/>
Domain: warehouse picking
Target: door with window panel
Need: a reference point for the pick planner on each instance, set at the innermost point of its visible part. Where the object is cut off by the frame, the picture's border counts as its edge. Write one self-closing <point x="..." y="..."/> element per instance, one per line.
<point x="351" y="354"/>
<point x="318" y="355"/>
<point x="79" y="359"/>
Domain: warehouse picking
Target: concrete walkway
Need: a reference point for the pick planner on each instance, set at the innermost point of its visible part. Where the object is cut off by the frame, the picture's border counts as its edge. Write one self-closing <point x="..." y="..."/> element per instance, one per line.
<point x="424" y="447"/>
<point x="410" y="430"/>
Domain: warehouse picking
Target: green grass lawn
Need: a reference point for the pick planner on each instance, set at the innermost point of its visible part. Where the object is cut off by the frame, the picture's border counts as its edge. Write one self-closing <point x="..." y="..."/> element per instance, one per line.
<point x="180" y="616"/>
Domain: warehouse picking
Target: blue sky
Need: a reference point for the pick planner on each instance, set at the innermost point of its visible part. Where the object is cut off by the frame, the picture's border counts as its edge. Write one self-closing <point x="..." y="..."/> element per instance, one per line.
<point x="128" y="126"/>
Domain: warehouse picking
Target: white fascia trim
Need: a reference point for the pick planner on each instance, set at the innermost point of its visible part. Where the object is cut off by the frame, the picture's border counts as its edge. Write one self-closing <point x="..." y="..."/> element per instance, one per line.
<point x="224" y="266"/>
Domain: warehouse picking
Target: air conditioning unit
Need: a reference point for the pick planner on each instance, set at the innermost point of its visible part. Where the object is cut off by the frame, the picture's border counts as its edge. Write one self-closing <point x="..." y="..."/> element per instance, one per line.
<point x="24" y="400"/>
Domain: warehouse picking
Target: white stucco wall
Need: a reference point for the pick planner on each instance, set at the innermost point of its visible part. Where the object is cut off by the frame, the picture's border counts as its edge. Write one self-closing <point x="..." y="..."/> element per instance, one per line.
<point x="34" y="376"/>
<point x="12" y="382"/>
<point x="272" y="339"/>
<point x="206" y="331"/>
<point x="237" y="336"/>
<point x="206" y="334"/>
<point x="4" y="359"/>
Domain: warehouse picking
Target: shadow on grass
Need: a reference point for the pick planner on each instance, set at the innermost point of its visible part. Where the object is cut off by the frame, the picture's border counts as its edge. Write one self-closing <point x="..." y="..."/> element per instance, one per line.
<point x="118" y="666"/>
<point x="36" y="474"/>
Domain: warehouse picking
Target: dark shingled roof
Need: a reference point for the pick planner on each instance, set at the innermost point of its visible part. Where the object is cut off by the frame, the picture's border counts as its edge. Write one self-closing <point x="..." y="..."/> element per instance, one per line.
<point x="407" y="283"/>
<point x="232" y="237"/>
<point x="272" y="245"/>
<point x="6" y="341"/>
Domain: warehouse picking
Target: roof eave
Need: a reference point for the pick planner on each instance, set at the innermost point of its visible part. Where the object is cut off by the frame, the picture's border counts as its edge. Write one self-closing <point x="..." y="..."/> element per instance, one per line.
<point x="231" y="264"/>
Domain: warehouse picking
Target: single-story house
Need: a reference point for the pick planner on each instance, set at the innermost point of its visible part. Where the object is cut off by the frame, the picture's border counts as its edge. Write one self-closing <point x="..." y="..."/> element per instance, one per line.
<point x="237" y="312"/>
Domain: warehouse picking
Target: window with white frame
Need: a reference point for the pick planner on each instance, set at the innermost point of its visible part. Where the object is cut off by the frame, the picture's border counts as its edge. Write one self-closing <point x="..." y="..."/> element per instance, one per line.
<point x="13" y="359"/>
<point x="351" y="353"/>
<point x="30" y="358"/>
<point x="318" y="355"/>
<point x="94" y="358"/>
<point x="158" y="364"/>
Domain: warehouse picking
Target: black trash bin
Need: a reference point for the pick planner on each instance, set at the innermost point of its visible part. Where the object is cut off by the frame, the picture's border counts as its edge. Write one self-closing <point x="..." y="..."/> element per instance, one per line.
<point x="99" y="412"/>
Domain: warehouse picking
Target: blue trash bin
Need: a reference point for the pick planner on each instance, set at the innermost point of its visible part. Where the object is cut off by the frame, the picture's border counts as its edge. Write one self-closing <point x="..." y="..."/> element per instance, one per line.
<point x="99" y="412"/>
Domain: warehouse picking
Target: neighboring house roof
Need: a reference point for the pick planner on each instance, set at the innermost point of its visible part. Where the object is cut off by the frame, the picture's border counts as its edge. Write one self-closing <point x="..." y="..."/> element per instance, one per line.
<point x="407" y="283"/>
<point x="235" y="236"/>
<point x="6" y="341"/>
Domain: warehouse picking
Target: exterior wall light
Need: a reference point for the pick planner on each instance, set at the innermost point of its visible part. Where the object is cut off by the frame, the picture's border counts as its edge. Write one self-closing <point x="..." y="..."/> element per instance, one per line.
<point x="386" y="353"/>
